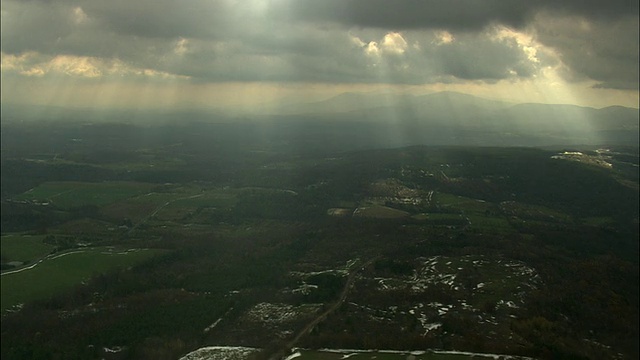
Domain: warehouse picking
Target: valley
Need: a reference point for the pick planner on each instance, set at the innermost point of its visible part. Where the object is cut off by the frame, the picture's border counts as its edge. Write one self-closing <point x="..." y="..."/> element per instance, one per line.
<point x="115" y="247"/>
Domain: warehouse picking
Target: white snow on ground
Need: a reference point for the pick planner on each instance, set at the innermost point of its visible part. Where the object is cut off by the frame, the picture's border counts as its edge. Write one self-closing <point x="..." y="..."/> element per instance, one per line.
<point x="349" y="355"/>
<point x="509" y="303"/>
<point x="279" y="318"/>
<point x="381" y="282"/>
<point x="278" y="313"/>
<point x="430" y="326"/>
<point x="513" y="283"/>
<point x="294" y="355"/>
<point x="388" y="284"/>
<point x="300" y="274"/>
<point x="343" y="351"/>
<point x="518" y="278"/>
<point x="466" y="306"/>
<point x="445" y="309"/>
<point x="389" y="313"/>
<point x="429" y="275"/>
<point x="304" y="288"/>
<point x="208" y="328"/>
<point x="444" y="270"/>
<point x="421" y="352"/>
<point x="214" y="324"/>
<point x="493" y="356"/>
<point x="220" y="353"/>
<point x="115" y="349"/>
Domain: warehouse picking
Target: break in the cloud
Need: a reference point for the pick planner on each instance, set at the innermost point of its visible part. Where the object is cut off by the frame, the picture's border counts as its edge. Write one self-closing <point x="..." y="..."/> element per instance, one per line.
<point x="330" y="41"/>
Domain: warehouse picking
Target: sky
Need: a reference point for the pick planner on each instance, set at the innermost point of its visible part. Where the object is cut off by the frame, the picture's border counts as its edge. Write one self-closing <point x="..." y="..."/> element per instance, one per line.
<point x="220" y="54"/>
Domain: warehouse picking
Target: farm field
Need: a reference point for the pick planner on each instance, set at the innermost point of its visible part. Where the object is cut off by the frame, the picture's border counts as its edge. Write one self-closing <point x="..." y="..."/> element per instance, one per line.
<point x="74" y="194"/>
<point x="380" y="212"/>
<point x="23" y="248"/>
<point x="63" y="271"/>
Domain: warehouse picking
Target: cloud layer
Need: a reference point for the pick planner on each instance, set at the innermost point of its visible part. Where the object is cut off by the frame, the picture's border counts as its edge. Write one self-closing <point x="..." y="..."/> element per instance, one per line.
<point x="329" y="41"/>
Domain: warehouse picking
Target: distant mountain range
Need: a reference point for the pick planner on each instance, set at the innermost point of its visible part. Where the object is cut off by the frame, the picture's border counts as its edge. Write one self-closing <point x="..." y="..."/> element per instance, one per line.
<point x="473" y="120"/>
<point x="353" y="102"/>
<point x="378" y="119"/>
<point x="446" y="107"/>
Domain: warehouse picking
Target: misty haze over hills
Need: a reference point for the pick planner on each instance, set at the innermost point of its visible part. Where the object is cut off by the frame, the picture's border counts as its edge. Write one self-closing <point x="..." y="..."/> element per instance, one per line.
<point x="370" y="120"/>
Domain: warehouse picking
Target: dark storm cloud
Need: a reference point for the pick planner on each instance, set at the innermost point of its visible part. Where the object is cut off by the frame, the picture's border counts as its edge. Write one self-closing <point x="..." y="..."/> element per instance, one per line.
<point x="55" y="26"/>
<point x="163" y="18"/>
<point x="451" y="14"/>
<point x="408" y="14"/>
<point x="33" y="26"/>
<point x="603" y="50"/>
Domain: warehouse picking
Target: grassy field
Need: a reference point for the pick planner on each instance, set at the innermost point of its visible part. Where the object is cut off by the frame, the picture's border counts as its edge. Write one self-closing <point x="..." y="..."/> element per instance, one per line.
<point x="460" y="202"/>
<point x="380" y="212"/>
<point x="442" y="217"/>
<point x="63" y="271"/>
<point x="188" y="204"/>
<point x="598" y="221"/>
<point x="490" y="223"/>
<point x="216" y="198"/>
<point x="141" y="207"/>
<point x="23" y="247"/>
<point x="85" y="226"/>
<point x="70" y="194"/>
<point x="535" y="212"/>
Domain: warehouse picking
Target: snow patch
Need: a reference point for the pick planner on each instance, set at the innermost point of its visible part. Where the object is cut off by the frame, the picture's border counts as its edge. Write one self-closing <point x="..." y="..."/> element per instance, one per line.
<point x="348" y="355"/>
<point x="220" y="353"/>
<point x="294" y="355"/>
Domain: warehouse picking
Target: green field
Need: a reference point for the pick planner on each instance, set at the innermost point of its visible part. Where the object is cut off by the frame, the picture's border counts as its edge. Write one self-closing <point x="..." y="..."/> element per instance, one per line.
<point x="598" y="221"/>
<point x="73" y="194"/>
<point x="490" y="223"/>
<point x="141" y="207"/>
<point x="85" y="226"/>
<point x="63" y="271"/>
<point x="216" y="198"/>
<point x="187" y="204"/>
<point x="461" y="202"/>
<point x="536" y="212"/>
<point x="441" y="219"/>
<point x="23" y="248"/>
<point x="379" y="212"/>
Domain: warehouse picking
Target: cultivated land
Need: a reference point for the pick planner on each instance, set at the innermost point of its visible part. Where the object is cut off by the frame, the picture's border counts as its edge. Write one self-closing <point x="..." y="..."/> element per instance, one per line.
<point x="53" y="274"/>
<point x="206" y="243"/>
<point x="23" y="248"/>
